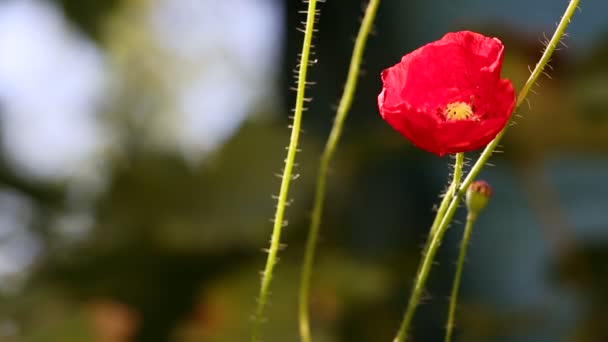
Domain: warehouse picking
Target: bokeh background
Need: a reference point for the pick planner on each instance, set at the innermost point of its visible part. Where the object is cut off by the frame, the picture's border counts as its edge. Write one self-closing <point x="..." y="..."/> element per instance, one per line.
<point x="140" y="141"/>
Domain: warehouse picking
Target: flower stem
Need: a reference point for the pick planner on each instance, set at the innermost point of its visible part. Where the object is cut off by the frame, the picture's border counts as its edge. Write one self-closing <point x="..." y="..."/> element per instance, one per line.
<point x="429" y="256"/>
<point x="287" y="172"/>
<point x="328" y="152"/>
<point x="431" y="247"/>
<point x="471" y="217"/>
<point x="450" y="193"/>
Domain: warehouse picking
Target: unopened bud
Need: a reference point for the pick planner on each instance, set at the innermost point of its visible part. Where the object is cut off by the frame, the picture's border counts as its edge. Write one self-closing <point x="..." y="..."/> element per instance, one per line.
<point x="478" y="194"/>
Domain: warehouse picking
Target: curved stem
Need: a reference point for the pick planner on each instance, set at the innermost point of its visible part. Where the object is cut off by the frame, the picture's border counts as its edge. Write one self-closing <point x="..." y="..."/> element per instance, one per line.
<point x="459" y="266"/>
<point x="429" y="251"/>
<point x="487" y="152"/>
<point x="287" y="172"/>
<point x="450" y="193"/>
<point x="328" y="152"/>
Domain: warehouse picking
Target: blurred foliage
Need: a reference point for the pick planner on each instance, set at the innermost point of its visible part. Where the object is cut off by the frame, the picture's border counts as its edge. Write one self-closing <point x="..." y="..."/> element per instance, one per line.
<point x="89" y="15"/>
<point x="173" y="250"/>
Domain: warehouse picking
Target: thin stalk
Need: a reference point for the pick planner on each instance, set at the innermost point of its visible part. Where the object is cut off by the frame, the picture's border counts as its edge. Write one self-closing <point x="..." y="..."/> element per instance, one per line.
<point x="328" y="152"/>
<point x="464" y="243"/>
<point x="287" y="172"/>
<point x="426" y="263"/>
<point x="430" y="247"/>
<point x="450" y="193"/>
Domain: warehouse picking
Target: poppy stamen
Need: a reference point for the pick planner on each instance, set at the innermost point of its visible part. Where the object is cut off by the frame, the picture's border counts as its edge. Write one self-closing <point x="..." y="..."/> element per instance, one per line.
<point x="457" y="111"/>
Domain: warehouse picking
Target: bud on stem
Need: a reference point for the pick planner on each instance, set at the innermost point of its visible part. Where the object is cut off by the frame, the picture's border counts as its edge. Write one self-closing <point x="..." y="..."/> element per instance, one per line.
<point x="478" y="195"/>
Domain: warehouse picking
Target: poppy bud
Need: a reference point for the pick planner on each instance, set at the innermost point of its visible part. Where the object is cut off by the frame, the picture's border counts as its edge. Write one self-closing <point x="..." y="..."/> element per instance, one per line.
<point x="478" y="194"/>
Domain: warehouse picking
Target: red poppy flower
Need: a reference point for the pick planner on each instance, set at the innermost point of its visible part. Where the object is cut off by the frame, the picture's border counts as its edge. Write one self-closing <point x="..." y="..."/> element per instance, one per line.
<point x="447" y="96"/>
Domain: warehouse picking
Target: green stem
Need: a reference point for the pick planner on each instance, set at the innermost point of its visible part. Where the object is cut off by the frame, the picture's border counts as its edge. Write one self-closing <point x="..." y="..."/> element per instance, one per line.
<point x="430" y="248"/>
<point x="458" y="169"/>
<point x="450" y="193"/>
<point x="459" y="266"/>
<point x="328" y="152"/>
<point x="487" y="152"/>
<point x="287" y="172"/>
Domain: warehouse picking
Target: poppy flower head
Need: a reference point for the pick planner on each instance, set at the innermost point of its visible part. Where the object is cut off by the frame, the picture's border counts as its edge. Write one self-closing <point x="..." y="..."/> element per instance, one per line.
<point x="447" y="96"/>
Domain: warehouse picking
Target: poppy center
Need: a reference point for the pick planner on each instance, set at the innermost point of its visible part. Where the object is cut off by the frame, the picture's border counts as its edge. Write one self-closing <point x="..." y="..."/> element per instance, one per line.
<point x="456" y="111"/>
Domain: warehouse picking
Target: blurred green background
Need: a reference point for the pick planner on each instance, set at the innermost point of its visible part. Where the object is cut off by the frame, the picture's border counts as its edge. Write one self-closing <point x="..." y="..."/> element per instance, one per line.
<point x="141" y="138"/>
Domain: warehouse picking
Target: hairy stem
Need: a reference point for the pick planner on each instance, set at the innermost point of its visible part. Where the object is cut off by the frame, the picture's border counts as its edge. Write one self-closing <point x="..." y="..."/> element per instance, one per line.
<point x="450" y="193"/>
<point x="471" y="217"/>
<point x="328" y="152"/>
<point x="430" y="247"/>
<point x="287" y="172"/>
<point x="428" y="258"/>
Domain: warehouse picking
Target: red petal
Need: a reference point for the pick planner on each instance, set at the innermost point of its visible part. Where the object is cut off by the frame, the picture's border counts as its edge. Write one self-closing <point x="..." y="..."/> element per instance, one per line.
<point x="461" y="67"/>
